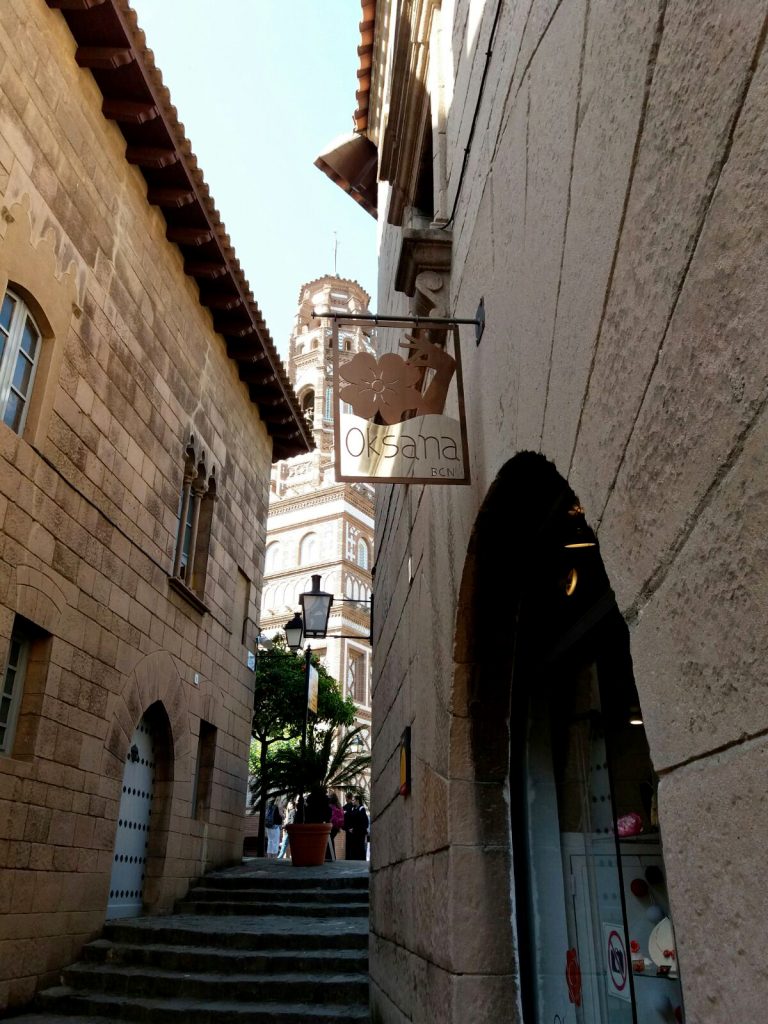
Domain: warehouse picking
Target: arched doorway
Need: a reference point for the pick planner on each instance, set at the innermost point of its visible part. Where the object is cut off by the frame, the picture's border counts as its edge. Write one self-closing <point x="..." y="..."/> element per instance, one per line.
<point x="142" y="824"/>
<point x="594" y="937"/>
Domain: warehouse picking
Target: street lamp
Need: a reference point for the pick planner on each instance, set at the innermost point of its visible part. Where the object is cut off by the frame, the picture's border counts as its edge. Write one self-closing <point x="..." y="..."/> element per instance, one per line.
<point x="315" y="610"/>
<point x="294" y="632"/>
<point x="316" y="605"/>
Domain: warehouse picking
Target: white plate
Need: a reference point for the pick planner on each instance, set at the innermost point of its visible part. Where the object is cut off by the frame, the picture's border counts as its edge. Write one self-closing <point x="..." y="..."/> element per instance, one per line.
<point x="663" y="937"/>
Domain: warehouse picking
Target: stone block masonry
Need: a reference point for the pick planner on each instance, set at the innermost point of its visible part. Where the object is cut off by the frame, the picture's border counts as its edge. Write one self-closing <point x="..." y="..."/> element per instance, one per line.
<point x="130" y="368"/>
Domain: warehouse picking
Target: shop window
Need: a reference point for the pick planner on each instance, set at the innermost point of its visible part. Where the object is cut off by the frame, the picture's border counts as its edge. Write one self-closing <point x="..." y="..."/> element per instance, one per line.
<point x="589" y="868"/>
<point x="203" y="781"/>
<point x="20" y="346"/>
<point x="23" y="688"/>
<point x="195" y="518"/>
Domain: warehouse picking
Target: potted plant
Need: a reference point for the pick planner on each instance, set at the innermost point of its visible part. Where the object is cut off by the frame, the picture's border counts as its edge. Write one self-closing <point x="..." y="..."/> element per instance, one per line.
<point x="327" y="762"/>
<point x="279" y="709"/>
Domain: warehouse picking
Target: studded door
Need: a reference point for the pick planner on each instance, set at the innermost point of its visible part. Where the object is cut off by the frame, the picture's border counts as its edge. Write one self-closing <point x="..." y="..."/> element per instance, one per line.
<point x="133" y="819"/>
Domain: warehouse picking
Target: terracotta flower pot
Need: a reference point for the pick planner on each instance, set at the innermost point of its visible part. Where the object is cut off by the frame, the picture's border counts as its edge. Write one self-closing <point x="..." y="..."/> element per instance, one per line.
<point x="308" y="844"/>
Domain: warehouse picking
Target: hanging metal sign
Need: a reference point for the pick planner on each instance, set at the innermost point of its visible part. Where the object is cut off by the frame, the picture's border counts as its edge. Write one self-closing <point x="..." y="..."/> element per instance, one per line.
<point x="400" y="420"/>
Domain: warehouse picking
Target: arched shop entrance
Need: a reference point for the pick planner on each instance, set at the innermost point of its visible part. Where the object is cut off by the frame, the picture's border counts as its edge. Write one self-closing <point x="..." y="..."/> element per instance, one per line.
<point x="595" y="942"/>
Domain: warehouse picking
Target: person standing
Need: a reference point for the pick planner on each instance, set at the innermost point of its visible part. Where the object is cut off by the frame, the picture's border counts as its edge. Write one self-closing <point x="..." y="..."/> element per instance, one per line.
<point x="337" y="821"/>
<point x="356" y="825"/>
<point x="290" y="814"/>
<point x="272" y="821"/>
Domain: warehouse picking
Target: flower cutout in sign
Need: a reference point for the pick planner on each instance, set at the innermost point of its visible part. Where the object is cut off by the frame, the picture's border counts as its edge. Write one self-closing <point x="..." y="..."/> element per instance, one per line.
<point x="385" y="386"/>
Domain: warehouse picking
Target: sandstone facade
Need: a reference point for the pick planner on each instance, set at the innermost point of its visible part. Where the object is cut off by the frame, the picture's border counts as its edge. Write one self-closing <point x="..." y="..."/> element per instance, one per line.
<point x="611" y="214"/>
<point x="135" y="399"/>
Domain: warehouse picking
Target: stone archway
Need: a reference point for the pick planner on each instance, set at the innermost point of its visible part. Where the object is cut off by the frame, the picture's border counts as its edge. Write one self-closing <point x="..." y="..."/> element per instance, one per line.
<point x="520" y="662"/>
<point x="155" y="693"/>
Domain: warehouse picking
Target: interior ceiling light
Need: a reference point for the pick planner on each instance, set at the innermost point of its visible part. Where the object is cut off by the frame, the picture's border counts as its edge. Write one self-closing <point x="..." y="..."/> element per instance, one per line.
<point x="635" y="716"/>
<point x="579" y="534"/>
<point x="569" y="584"/>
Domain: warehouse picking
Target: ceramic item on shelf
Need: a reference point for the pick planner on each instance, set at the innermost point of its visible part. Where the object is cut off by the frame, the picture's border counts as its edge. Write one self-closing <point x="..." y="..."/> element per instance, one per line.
<point x="661" y="946"/>
<point x="629" y="825"/>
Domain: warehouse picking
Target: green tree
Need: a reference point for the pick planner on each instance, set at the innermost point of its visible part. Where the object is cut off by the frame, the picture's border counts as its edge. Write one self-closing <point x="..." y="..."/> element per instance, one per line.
<point x="279" y="703"/>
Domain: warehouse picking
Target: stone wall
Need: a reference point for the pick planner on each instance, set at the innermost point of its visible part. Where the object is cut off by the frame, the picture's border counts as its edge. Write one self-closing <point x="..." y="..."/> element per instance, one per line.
<point x="613" y="217"/>
<point x="89" y="500"/>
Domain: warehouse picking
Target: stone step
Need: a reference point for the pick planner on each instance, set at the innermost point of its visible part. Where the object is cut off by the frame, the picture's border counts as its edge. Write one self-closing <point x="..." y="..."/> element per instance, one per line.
<point x="64" y="1000"/>
<point x="154" y="983"/>
<point x="235" y="961"/>
<point x="296" y="878"/>
<point x="242" y="933"/>
<point x="256" y="906"/>
<point x="273" y="894"/>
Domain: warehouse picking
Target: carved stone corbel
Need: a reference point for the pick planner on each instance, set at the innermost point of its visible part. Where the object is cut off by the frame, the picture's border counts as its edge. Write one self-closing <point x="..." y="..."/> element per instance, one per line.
<point x="424" y="270"/>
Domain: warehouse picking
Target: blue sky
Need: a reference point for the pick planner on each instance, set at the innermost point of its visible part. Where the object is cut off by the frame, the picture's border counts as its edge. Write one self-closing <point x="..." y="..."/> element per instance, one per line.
<point x="261" y="87"/>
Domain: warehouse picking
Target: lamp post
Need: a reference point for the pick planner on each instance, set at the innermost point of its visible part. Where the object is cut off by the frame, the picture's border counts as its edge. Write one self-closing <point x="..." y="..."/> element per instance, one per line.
<point x="294" y="634"/>
<point x="307" y="669"/>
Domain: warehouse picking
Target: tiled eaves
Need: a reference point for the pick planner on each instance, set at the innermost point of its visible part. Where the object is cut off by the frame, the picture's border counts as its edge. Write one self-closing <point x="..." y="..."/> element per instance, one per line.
<point x="365" y="55"/>
<point x="111" y="44"/>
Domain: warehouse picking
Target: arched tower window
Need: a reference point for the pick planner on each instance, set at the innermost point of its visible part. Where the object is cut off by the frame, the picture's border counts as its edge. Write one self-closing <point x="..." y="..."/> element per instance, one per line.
<point x="308" y="549"/>
<point x="362" y="554"/>
<point x="308" y="404"/>
<point x="272" y="557"/>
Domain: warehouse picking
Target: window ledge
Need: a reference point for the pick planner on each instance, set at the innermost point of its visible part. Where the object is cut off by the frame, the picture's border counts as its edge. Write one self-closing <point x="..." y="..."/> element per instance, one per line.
<point x="177" y="584"/>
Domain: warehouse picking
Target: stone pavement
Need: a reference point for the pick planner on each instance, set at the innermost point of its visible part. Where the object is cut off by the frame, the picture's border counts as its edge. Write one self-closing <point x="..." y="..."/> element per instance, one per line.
<point x="262" y="942"/>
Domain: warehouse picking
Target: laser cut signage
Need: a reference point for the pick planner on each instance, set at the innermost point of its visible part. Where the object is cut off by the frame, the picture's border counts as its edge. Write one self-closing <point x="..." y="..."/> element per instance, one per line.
<point x="401" y="419"/>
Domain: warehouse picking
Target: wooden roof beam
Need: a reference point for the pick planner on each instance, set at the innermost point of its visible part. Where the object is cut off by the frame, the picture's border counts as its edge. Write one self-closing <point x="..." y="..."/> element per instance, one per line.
<point x="205" y="268"/>
<point x="129" y="111"/>
<point x="170" y="197"/>
<point x="103" y="58"/>
<point x="188" y="236"/>
<point x="151" y="156"/>
<point x="223" y="301"/>
<point x="74" y="5"/>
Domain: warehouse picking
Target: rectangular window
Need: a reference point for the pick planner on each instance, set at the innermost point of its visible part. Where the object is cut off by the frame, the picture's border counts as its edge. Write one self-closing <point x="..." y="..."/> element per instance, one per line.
<point x="242" y="604"/>
<point x="193" y="535"/>
<point x="19" y="351"/>
<point x="203" y="783"/>
<point x="185" y="537"/>
<point x="328" y="412"/>
<point x="13" y="686"/>
<point x="22" y="688"/>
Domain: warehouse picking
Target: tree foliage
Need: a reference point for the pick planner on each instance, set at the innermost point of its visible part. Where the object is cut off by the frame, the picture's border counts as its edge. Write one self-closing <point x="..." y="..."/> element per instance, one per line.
<point x="280" y="695"/>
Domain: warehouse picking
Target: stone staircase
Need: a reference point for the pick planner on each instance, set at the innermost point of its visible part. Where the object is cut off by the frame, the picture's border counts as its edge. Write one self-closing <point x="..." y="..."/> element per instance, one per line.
<point x="265" y="942"/>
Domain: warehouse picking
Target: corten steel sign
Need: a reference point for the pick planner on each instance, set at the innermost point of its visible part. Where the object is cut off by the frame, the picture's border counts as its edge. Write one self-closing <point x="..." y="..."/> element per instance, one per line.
<point x="390" y="419"/>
